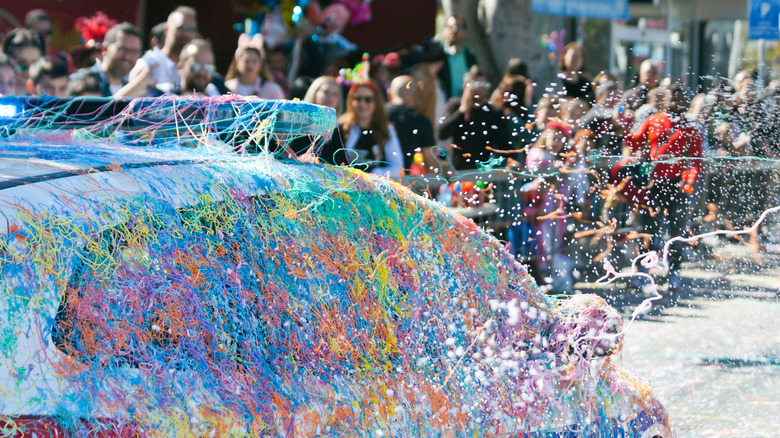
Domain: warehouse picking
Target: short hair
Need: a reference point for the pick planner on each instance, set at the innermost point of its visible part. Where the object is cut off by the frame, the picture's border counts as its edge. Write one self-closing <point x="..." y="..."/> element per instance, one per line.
<point x="51" y="66"/>
<point x="158" y="32"/>
<point x="120" y="29"/>
<point x="35" y="16"/>
<point x="516" y="67"/>
<point x="471" y="73"/>
<point x="85" y="84"/>
<point x="191" y="48"/>
<point x="20" y="38"/>
<point x="403" y="87"/>
<point x="184" y="10"/>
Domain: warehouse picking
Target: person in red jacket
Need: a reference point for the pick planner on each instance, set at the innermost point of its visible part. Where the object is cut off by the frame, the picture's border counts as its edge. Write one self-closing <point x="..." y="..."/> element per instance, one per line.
<point x="673" y="145"/>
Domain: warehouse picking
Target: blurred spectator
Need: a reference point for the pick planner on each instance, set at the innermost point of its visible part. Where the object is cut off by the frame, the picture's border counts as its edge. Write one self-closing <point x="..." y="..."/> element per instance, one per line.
<point x="38" y="22"/>
<point x="509" y="98"/>
<point x="546" y="195"/>
<point x="573" y="111"/>
<point x="649" y="76"/>
<point x="652" y="106"/>
<point x="278" y="63"/>
<point x="7" y="76"/>
<point x="196" y="75"/>
<point x="248" y="74"/>
<point x="547" y="109"/>
<point x="370" y="141"/>
<point x="518" y="67"/>
<point x="459" y="58"/>
<point x="24" y="48"/>
<point x="415" y="132"/>
<point x="93" y="32"/>
<point x="699" y="116"/>
<point x="121" y="49"/>
<point x="664" y="137"/>
<point x="157" y="36"/>
<point x="326" y="91"/>
<point x="48" y="76"/>
<point x="429" y="61"/>
<point x="87" y="84"/>
<point x="574" y="81"/>
<point x="607" y="119"/>
<point x="475" y="127"/>
<point x="161" y="63"/>
<point x="384" y="68"/>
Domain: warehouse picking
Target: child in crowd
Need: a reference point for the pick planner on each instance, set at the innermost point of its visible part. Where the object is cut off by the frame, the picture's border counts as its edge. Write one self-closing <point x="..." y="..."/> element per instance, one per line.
<point x="546" y="201"/>
<point x="248" y="74"/>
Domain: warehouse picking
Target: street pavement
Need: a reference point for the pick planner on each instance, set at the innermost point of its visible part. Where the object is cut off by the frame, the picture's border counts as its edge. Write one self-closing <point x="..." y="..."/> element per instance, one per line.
<point x="711" y="352"/>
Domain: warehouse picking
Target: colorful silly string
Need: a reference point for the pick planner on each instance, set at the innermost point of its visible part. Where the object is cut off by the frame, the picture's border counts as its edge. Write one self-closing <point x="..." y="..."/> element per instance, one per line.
<point x="194" y="291"/>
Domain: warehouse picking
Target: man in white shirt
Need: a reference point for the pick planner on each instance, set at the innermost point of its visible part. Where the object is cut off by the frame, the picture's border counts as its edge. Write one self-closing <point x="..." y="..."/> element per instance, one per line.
<point x="160" y="65"/>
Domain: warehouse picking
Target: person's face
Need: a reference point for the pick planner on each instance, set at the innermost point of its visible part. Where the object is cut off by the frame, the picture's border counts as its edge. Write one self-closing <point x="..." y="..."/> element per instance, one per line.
<point x="574" y="114"/>
<point x="277" y="61"/>
<point x="198" y="71"/>
<point x="454" y="32"/>
<point x="544" y="114"/>
<point x="363" y="103"/>
<point x="121" y="56"/>
<point x="181" y="29"/>
<point x="248" y="64"/>
<point x="573" y="59"/>
<point x="649" y="77"/>
<point x="44" y="29"/>
<point x="478" y="88"/>
<point x="52" y="86"/>
<point x="674" y="102"/>
<point x="22" y="59"/>
<point x="555" y="141"/>
<point x="7" y="81"/>
<point x="328" y="95"/>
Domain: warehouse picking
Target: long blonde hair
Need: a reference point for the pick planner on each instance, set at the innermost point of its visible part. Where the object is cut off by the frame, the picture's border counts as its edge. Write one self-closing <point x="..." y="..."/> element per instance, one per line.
<point x="317" y="84"/>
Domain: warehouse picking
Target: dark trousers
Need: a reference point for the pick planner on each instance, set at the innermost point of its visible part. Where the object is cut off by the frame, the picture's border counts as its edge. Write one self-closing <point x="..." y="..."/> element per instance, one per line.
<point x="670" y="206"/>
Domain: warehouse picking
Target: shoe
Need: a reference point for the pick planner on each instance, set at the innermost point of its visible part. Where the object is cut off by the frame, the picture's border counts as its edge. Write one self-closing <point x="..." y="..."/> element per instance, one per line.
<point x="675" y="284"/>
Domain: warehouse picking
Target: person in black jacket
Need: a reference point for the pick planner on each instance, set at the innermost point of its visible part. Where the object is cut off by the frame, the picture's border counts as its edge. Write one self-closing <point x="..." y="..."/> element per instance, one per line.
<point x="415" y="131"/>
<point x="475" y="126"/>
<point x="459" y="58"/>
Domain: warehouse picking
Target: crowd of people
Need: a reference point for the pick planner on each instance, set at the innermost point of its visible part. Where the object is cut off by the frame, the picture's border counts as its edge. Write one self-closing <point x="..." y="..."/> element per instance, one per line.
<point x="431" y="108"/>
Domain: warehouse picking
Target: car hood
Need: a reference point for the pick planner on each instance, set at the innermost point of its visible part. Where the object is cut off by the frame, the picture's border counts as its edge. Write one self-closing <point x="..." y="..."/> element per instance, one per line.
<point x="233" y="294"/>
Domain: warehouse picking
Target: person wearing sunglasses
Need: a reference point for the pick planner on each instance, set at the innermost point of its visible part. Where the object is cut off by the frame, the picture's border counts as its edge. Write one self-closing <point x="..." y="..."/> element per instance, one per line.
<point x="370" y="141"/>
<point x="162" y="63"/>
<point x="459" y="57"/>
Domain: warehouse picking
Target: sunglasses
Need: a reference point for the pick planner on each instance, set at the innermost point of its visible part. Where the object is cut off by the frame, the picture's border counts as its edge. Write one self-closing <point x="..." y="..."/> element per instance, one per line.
<point x="192" y="29"/>
<point x="199" y="67"/>
<point x="364" y="99"/>
<point x="21" y="68"/>
<point x="457" y="27"/>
